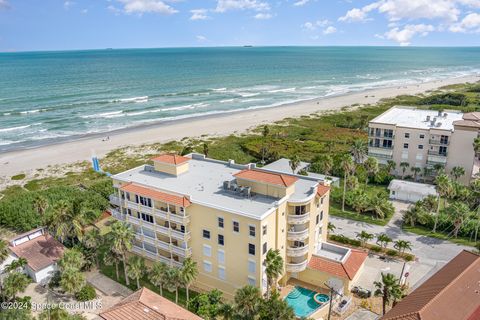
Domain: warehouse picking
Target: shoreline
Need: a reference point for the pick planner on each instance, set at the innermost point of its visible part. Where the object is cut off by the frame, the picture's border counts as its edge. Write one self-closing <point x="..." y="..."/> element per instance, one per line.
<point x="219" y="124"/>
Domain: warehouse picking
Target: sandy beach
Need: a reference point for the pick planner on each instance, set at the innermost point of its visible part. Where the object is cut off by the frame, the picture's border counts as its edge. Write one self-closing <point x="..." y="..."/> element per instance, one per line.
<point x="28" y="160"/>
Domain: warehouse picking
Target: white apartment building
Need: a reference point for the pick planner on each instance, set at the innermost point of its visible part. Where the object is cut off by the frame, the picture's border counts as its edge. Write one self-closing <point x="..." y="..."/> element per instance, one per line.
<point x="425" y="138"/>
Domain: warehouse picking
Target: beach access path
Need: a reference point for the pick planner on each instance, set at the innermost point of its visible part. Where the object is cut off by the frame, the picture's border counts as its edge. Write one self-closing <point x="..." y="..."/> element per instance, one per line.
<point x="28" y="160"/>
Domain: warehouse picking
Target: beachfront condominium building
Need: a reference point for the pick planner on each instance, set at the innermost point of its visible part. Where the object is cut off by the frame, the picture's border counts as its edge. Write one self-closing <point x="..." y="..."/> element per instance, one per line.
<point x="226" y="217"/>
<point x="425" y="139"/>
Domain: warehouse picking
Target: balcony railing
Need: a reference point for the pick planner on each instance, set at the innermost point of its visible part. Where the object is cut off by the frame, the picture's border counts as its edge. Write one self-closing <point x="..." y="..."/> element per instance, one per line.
<point x="439" y="142"/>
<point x="298" y="218"/>
<point x="297" y="251"/>
<point x="296" y="267"/>
<point x="176" y="234"/>
<point x="436" y="153"/>
<point x="155" y="256"/>
<point x="115" y="200"/>
<point x="297" y="235"/>
<point x="169" y="216"/>
<point x="380" y="156"/>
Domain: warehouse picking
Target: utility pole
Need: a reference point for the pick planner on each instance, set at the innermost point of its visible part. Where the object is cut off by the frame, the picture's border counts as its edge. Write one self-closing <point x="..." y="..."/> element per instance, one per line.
<point x="332" y="291"/>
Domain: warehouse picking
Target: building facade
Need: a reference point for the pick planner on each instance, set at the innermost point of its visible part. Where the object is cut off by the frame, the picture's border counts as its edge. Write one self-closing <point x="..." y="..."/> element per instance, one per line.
<point x="224" y="215"/>
<point x="425" y="139"/>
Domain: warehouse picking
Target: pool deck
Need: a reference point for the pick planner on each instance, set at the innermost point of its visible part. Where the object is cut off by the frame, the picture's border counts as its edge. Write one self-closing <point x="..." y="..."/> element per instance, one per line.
<point x="292" y="283"/>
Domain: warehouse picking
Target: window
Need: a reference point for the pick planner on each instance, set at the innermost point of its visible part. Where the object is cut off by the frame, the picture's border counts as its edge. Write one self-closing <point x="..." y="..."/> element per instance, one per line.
<point x="264" y="230"/>
<point x="321" y="200"/>
<point x="221" y="240"/>
<point x="221" y="256"/>
<point x="420" y="146"/>
<point x="321" y="215"/>
<point x="236" y="226"/>
<point x="422" y="136"/>
<point x="407" y="135"/>
<point x="317" y="219"/>
<point x="147" y="217"/>
<point x="264" y="249"/>
<point x="143" y="201"/>
<point x="206" y="234"/>
<point x="221" y="273"/>
<point x="387" y="144"/>
<point x="251" y="231"/>
<point x="252" y="266"/>
<point x="442" y="151"/>
<point x="251" y="249"/>
<point x="220" y="222"/>
<point x="251" y="281"/>
<point x="207" y="266"/>
<point x="207" y="250"/>
<point x="405" y="146"/>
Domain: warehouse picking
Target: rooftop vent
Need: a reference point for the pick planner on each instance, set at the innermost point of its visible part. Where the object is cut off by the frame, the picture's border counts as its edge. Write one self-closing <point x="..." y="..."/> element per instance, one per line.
<point x="439" y="124"/>
<point x="439" y="113"/>
<point x="432" y="123"/>
<point x="428" y="118"/>
<point x="233" y="187"/>
<point x="445" y="114"/>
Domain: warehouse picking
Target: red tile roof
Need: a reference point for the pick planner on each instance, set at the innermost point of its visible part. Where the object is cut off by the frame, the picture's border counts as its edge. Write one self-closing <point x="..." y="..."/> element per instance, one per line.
<point x="471" y="119"/>
<point x="147" y="305"/>
<point x="346" y="270"/>
<point x="451" y="293"/>
<point x="322" y="190"/>
<point x="267" y="177"/>
<point x="156" y="195"/>
<point x="171" y="159"/>
<point x="40" y="252"/>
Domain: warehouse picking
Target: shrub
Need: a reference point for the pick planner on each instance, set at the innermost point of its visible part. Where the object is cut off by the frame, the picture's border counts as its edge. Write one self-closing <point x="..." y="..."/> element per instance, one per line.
<point x="55" y="280"/>
<point x="453" y="99"/>
<point x="20" y="176"/>
<point x="86" y="293"/>
<point x="375" y="248"/>
<point x="392" y="252"/>
<point x="408" y="257"/>
<point x="345" y="240"/>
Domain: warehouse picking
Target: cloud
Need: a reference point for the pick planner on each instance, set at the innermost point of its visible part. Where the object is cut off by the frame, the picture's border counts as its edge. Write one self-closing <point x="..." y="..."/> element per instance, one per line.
<point x="201" y="38"/>
<point x="330" y="30"/>
<point x="312" y="26"/>
<point x="145" y="6"/>
<point x="404" y="35"/>
<point x="419" y="9"/>
<point x="84" y="11"/>
<point x="471" y="23"/>
<point x="228" y="5"/>
<point x="199" y="14"/>
<point x="262" y="16"/>
<point x="67" y="4"/>
<point x="359" y="15"/>
<point x="301" y="3"/>
<point x="4" y="4"/>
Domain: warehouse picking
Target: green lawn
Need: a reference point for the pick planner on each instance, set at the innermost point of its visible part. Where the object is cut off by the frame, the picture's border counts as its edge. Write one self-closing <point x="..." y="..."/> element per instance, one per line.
<point x="336" y="210"/>
<point x="427" y="232"/>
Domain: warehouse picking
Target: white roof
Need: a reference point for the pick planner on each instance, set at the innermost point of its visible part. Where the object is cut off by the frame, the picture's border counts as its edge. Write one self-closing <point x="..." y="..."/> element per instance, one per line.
<point x="283" y="165"/>
<point x="412" y="187"/>
<point x="203" y="183"/>
<point x="411" y="117"/>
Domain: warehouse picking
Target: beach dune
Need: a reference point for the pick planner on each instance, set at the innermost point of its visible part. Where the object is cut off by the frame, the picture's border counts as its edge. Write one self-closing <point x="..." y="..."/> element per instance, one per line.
<point x="27" y="160"/>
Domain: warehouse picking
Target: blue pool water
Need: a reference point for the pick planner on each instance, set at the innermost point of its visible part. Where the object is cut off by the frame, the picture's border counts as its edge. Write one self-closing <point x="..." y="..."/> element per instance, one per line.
<point x="302" y="301"/>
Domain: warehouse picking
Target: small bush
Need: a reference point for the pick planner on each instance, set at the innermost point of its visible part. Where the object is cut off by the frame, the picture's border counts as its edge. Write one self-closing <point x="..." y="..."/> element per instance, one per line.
<point x="409" y="257"/>
<point x="392" y="252"/>
<point x="376" y="248"/>
<point x="20" y="176"/>
<point x="55" y="280"/>
<point x="345" y="240"/>
<point x="87" y="293"/>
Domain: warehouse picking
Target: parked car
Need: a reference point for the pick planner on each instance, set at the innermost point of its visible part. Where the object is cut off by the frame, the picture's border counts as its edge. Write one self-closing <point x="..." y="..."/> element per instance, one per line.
<point x="361" y="292"/>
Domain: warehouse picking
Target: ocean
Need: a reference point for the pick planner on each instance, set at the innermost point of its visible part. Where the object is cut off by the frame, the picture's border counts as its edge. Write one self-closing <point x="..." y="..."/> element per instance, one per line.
<point x="50" y="96"/>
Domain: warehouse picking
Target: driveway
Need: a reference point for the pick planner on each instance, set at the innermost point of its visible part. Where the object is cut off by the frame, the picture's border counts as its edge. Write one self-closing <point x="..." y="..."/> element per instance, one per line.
<point x="431" y="253"/>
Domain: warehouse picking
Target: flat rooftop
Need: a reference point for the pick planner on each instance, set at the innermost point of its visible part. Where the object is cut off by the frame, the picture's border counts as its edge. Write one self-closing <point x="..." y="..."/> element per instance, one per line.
<point x="411" y="117"/>
<point x="203" y="183"/>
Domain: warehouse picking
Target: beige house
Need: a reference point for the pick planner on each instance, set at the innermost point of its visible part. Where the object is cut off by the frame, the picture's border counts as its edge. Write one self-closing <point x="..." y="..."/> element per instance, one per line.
<point x="425" y="139"/>
<point x="226" y="216"/>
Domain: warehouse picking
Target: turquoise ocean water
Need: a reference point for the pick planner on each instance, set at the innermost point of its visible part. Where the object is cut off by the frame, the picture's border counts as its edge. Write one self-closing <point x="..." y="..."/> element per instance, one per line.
<point x="50" y="96"/>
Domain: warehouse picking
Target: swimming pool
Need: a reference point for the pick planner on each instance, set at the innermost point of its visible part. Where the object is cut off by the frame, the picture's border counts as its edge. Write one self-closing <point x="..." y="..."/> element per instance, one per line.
<point x="303" y="302"/>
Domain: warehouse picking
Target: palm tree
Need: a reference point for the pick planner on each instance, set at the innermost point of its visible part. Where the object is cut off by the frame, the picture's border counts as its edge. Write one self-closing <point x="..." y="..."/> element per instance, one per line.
<point x="444" y="188"/>
<point x="113" y="258"/>
<point x="226" y="311"/>
<point x="69" y="219"/>
<point x="172" y="276"/>
<point x="389" y="289"/>
<point x="247" y="301"/>
<point x="121" y="241"/>
<point x="364" y="237"/>
<point x="380" y="206"/>
<point x="404" y="166"/>
<point x="371" y="166"/>
<point x="402" y="245"/>
<point x="383" y="240"/>
<point x="273" y="267"/>
<point x="457" y="172"/>
<point x="92" y="240"/>
<point x="439" y="168"/>
<point x="476" y="145"/>
<point x="4" y="252"/>
<point x="327" y="164"/>
<point x="331" y="227"/>
<point x="16" y="265"/>
<point x="72" y="280"/>
<point x="358" y="150"/>
<point x="136" y="268"/>
<point x="205" y="149"/>
<point x="72" y="259"/>
<point x="391" y="165"/>
<point x="188" y="273"/>
<point x="415" y="171"/>
<point x="348" y="167"/>
<point x="275" y="308"/>
<point x="158" y="275"/>
<point x="458" y="212"/>
<point x="294" y="163"/>
<point x="40" y="204"/>
<point x="13" y="284"/>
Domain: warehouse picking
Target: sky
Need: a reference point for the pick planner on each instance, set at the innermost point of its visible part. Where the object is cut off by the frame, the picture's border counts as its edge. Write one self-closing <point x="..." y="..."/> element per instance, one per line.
<point x="31" y="25"/>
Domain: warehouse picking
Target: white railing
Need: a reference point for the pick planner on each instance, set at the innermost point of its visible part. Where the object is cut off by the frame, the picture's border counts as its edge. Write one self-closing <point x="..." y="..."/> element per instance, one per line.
<point x="296" y="267"/>
<point x="298" y="219"/>
<point x="117" y="214"/>
<point x="297" y="235"/>
<point x="115" y="200"/>
<point x="155" y="257"/>
<point x="297" y="251"/>
<point x="172" y="216"/>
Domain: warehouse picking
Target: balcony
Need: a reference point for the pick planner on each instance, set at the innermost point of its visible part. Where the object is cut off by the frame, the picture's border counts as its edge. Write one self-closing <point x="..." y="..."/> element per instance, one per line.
<point x="437" y="153"/>
<point x="155" y="257"/>
<point x="297" y="251"/>
<point x="296" y="267"/>
<point x="439" y="142"/>
<point x="297" y="235"/>
<point x="114" y="200"/>
<point x="176" y="234"/>
<point x="117" y="214"/>
<point x="169" y="216"/>
<point x="298" y="218"/>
